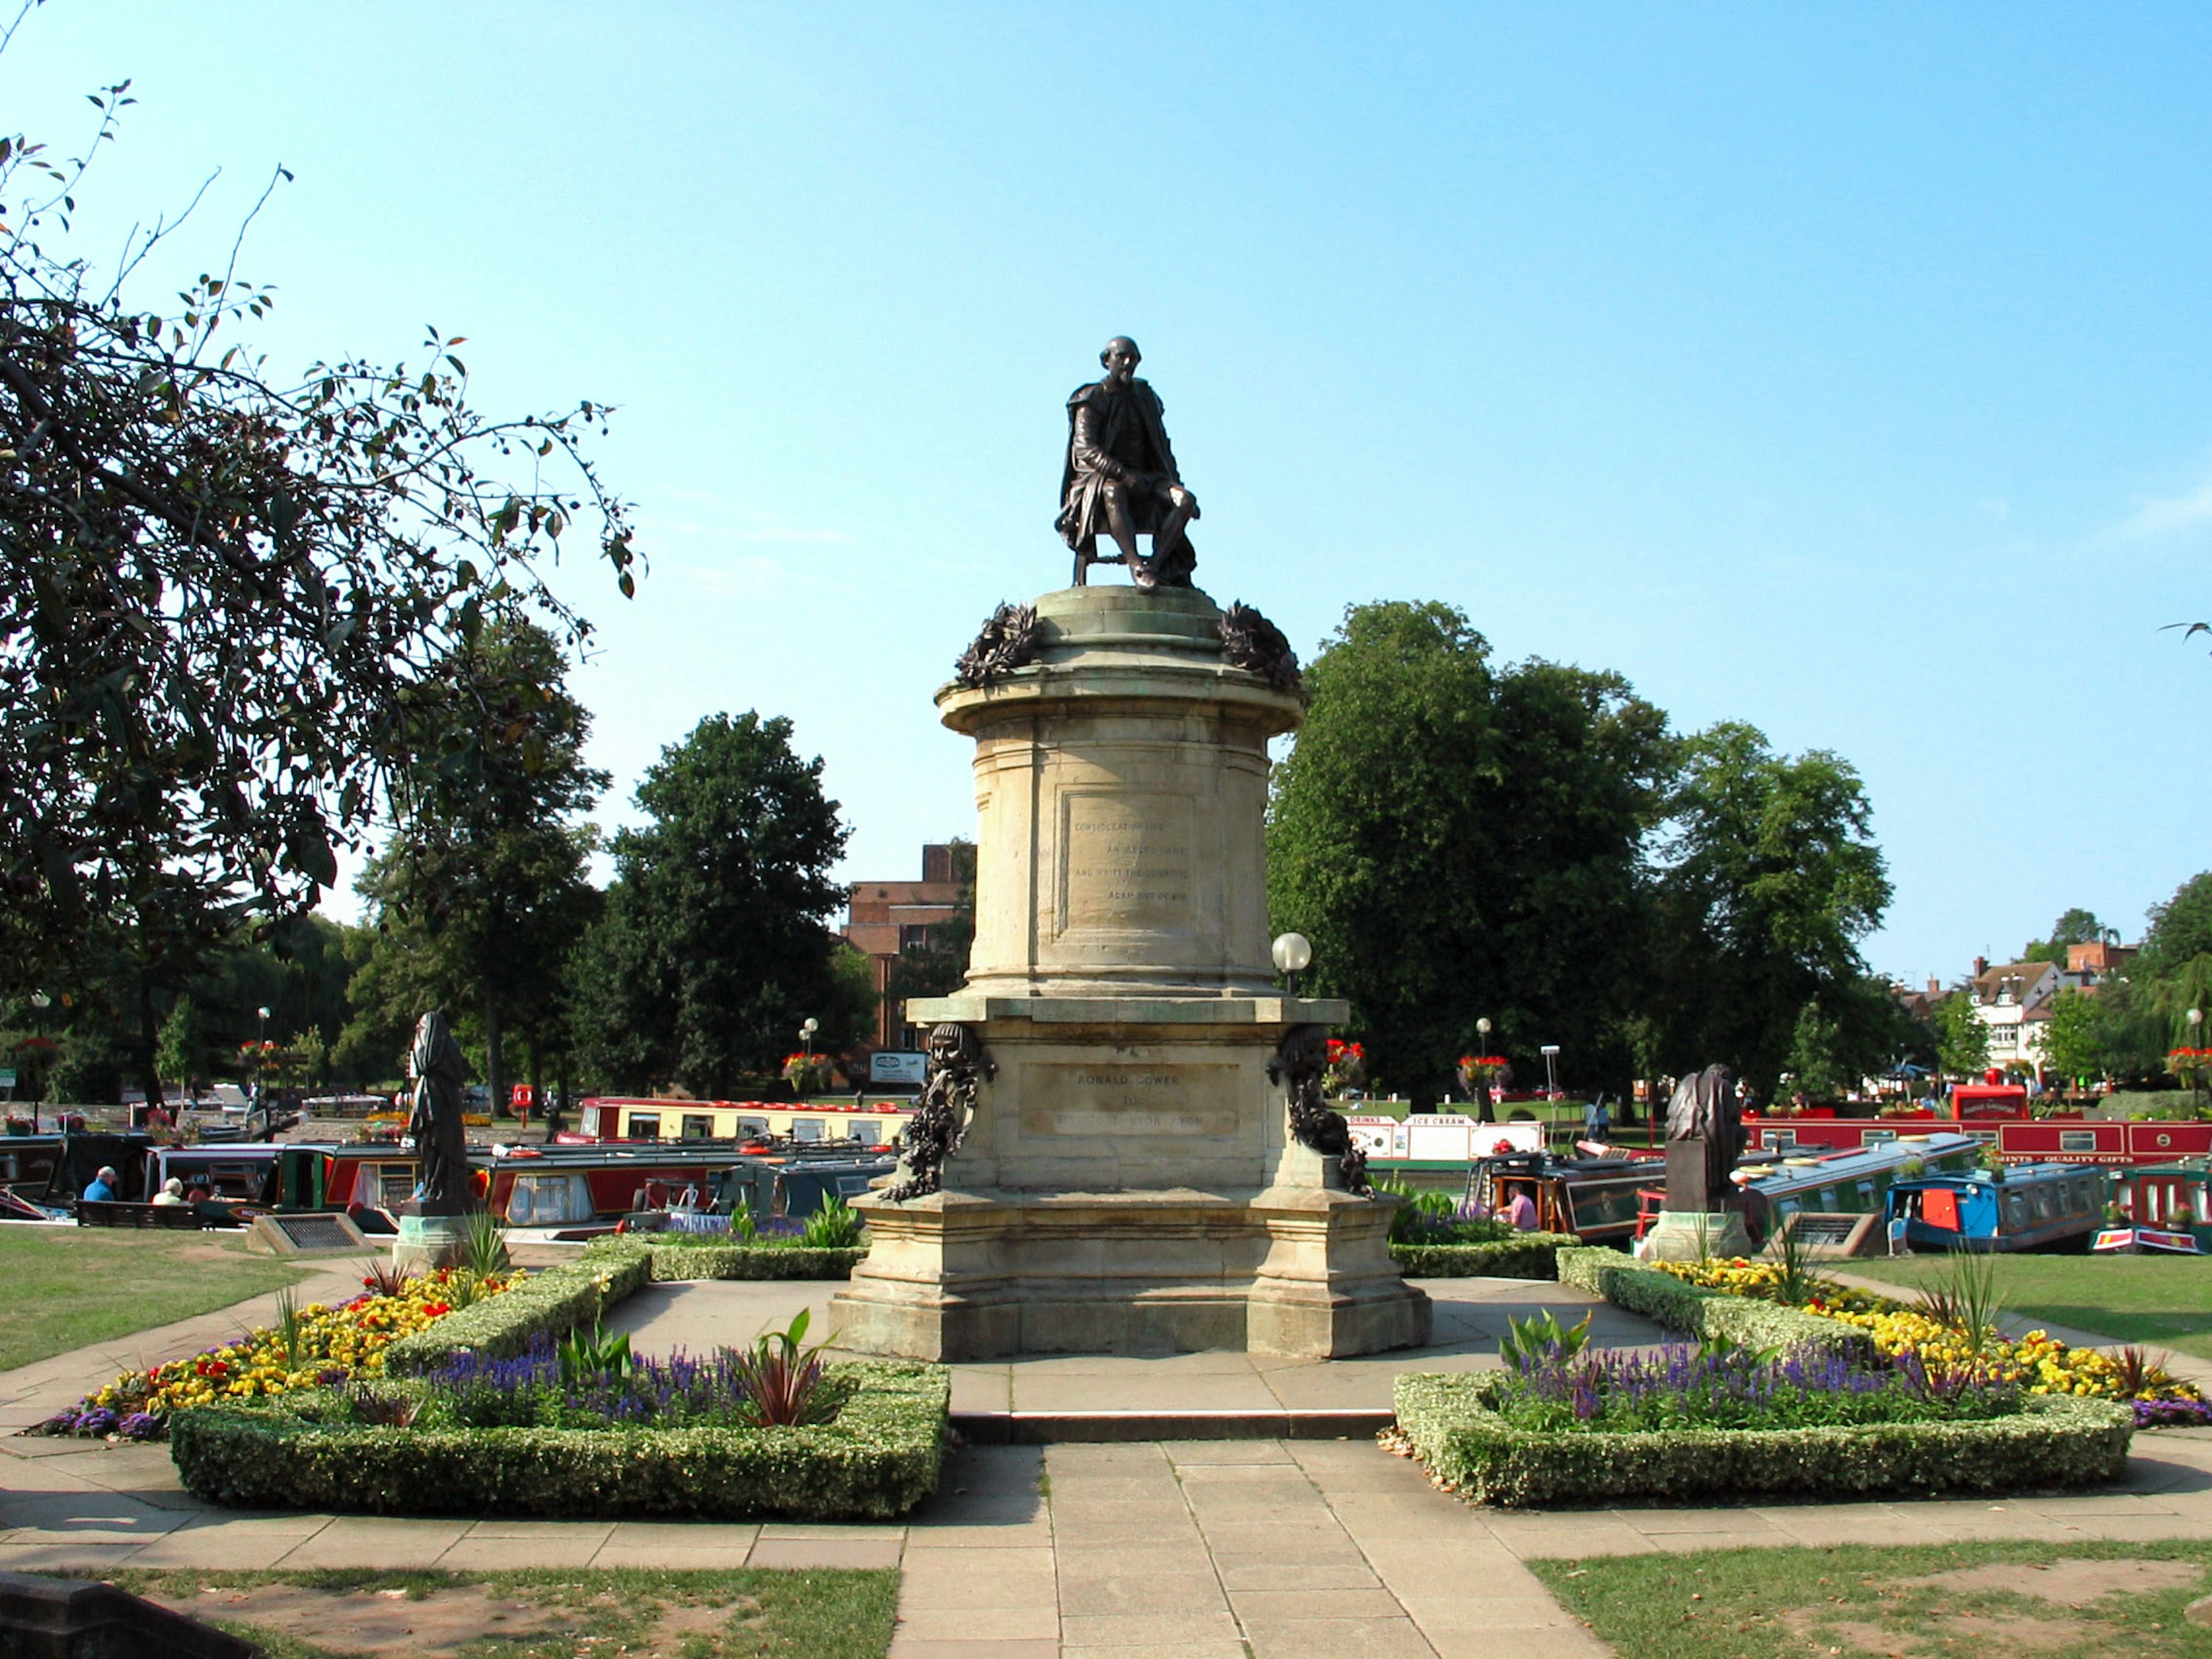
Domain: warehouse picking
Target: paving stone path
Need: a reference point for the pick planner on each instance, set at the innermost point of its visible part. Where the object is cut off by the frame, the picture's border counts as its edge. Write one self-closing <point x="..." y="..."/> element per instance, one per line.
<point x="1183" y="1549"/>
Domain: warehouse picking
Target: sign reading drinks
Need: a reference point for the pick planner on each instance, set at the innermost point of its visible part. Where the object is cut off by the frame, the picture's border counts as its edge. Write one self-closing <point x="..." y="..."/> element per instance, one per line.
<point x="1141" y="1098"/>
<point x="1125" y="860"/>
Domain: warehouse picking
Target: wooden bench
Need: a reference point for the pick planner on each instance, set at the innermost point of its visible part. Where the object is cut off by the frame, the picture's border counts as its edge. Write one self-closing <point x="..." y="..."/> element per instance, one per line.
<point x="114" y="1212"/>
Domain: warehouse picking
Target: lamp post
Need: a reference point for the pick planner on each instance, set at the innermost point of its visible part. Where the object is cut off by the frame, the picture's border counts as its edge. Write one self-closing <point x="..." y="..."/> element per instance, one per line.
<point x="1483" y="1114"/>
<point x="40" y="1003"/>
<point x="1551" y="1053"/>
<point x="1292" y="953"/>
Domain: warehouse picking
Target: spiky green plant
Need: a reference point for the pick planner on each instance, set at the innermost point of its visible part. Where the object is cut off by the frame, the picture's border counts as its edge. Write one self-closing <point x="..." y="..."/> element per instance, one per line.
<point x="835" y="1226"/>
<point x="1542" y="1337"/>
<point x="482" y="1248"/>
<point x="1964" y="1298"/>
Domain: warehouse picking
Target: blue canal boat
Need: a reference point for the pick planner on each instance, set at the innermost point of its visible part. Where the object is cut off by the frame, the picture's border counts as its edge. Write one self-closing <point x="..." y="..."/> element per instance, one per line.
<point x="2023" y="1207"/>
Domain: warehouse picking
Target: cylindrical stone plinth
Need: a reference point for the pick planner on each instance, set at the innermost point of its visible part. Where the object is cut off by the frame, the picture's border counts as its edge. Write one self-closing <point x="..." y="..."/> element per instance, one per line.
<point x="1121" y="787"/>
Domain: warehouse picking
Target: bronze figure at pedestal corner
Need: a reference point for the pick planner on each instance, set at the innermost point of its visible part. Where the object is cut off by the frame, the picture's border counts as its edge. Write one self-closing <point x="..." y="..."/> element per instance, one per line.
<point x="435" y="1063"/>
<point x="1704" y="1109"/>
<point x="1121" y="476"/>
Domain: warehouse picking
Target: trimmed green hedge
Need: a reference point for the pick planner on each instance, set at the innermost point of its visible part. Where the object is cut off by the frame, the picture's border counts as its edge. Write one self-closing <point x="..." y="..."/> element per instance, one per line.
<point x="876" y="1462"/>
<point x="680" y="1257"/>
<point x="555" y="1301"/>
<point x="1676" y="1304"/>
<point x="2055" y="1441"/>
<point x="1531" y="1255"/>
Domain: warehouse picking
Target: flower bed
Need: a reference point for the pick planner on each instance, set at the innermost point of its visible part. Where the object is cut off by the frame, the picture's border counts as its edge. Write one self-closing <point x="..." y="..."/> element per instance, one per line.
<point x="2037" y="1362"/>
<point x="1451" y="1424"/>
<point x="1722" y="1386"/>
<point x="1518" y="1255"/>
<point x="316" y="1346"/>
<point x="1677" y="1304"/>
<point x="875" y="1460"/>
<point x="551" y="1303"/>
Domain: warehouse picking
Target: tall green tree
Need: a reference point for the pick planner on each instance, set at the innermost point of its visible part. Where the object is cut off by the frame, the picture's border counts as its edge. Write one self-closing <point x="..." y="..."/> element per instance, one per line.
<point x="713" y="947"/>
<point x="218" y="587"/>
<point x="2074" y="926"/>
<point x="1769" y="879"/>
<point x="1963" y="1041"/>
<point x="480" y="893"/>
<point x="1461" y="841"/>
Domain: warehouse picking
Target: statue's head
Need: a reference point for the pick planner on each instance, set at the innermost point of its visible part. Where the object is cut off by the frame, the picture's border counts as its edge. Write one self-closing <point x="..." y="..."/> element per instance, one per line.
<point x="1120" y="357"/>
<point x="950" y="1045"/>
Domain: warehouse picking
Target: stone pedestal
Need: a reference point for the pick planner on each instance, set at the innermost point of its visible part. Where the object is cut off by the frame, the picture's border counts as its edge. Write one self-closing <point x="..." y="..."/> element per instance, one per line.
<point x="1127" y="1183"/>
<point x="1695" y="1234"/>
<point x="427" y="1242"/>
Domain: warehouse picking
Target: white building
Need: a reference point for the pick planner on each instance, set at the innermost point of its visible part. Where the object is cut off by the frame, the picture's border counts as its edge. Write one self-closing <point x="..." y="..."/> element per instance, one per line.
<point x="2013" y="1000"/>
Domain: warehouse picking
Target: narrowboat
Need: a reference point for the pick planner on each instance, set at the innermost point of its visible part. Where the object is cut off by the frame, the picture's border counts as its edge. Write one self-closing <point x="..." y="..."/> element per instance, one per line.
<point x="2058" y="1138"/>
<point x="2024" y="1207"/>
<point x="1843" y="1183"/>
<point x="1428" y="1143"/>
<point x="614" y="1117"/>
<point x="2161" y="1207"/>
<point x="1596" y="1198"/>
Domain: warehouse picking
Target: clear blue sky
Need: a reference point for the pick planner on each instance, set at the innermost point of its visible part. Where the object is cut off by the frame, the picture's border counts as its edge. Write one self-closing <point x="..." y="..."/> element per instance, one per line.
<point x="1840" y="369"/>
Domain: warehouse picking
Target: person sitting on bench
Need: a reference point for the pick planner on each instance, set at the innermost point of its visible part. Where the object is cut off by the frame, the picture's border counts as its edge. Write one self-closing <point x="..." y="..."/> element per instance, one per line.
<point x="103" y="1185"/>
<point x="173" y="1192"/>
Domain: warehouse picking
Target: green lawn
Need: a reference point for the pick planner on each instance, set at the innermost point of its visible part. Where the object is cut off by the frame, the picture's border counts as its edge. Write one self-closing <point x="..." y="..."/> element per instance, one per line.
<point x="564" y="1613"/>
<point x="70" y="1286"/>
<point x="2161" y="1299"/>
<point x="1994" y="1600"/>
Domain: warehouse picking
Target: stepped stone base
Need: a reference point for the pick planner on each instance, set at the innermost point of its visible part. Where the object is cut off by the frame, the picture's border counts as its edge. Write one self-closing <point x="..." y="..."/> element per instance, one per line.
<point x="1299" y="1271"/>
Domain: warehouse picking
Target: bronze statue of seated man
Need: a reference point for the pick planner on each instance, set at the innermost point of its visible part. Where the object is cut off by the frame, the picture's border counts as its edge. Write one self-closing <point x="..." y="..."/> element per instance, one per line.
<point x="1121" y="476"/>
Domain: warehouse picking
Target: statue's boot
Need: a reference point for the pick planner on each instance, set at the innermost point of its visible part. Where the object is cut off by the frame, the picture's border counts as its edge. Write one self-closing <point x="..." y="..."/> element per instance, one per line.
<point x="1141" y="573"/>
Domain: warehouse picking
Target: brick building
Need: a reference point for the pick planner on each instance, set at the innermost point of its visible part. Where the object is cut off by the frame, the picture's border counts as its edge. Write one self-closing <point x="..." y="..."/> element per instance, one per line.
<point x="886" y="920"/>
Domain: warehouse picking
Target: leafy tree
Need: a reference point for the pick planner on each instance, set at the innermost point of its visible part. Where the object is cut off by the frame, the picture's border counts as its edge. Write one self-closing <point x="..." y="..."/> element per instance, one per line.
<point x="1859" y="1031"/>
<point x="2180" y="929"/>
<point x="2077" y="1041"/>
<point x="1963" y="1041"/>
<point x="1769" y="879"/>
<point x="713" y="948"/>
<point x="222" y="586"/>
<point x="182" y="1053"/>
<point x="481" y="893"/>
<point x="1461" y="841"/>
<point x="1813" y="1059"/>
<point x="2076" y="926"/>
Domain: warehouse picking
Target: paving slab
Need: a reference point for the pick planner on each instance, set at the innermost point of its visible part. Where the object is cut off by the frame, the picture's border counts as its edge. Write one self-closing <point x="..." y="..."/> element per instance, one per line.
<point x="1253" y="1546"/>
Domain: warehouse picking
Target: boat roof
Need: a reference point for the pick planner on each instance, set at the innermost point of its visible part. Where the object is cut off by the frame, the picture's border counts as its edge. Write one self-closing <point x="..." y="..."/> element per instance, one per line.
<point x="1822" y="1170"/>
<point x="2013" y="1174"/>
<point x="2180" y="1166"/>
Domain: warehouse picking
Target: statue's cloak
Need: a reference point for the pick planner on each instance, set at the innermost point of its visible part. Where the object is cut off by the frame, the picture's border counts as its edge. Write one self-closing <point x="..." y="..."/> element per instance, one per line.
<point x="1105" y="431"/>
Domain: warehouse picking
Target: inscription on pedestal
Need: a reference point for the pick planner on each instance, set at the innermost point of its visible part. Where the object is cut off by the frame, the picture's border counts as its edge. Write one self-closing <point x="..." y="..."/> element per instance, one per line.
<point x="1140" y="1099"/>
<point x="1124" y="860"/>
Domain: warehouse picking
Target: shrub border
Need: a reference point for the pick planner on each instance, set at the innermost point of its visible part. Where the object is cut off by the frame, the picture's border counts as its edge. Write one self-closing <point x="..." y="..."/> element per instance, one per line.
<point x="876" y="1462"/>
<point x="553" y="1299"/>
<point x="2058" y="1440"/>
<point x="1532" y="1255"/>
<point x="1677" y="1306"/>
<point x="690" y="1259"/>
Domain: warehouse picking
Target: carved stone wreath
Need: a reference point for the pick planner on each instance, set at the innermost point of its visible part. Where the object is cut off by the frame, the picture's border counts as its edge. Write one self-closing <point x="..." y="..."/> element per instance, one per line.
<point x="1009" y="640"/>
<point x="1300" y="1059"/>
<point x="1251" y="641"/>
<point x="958" y="1067"/>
